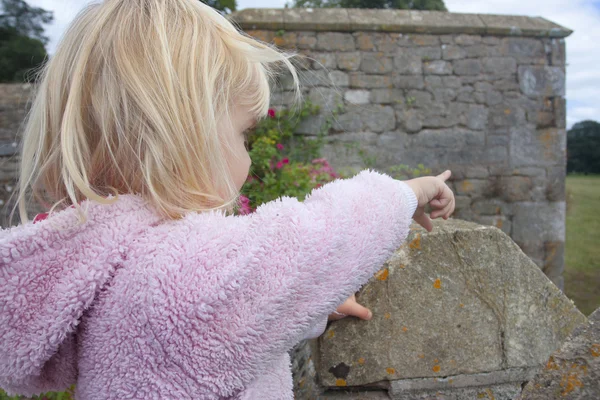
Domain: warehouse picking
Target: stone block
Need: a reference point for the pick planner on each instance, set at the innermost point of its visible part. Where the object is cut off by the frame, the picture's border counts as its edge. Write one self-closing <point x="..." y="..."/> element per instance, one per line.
<point x="543" y="222"/>
<point x="554" y="259"/>
<point x="357" y="96"/>
<point x="324" y="60"/>
<point x="437" y="68"/>
<point x="408" y="82"/>
<point x="542" y="81"/>
<point x="559" y="53"/>
<point x="410" y="120"/>
<point x="387" y="96"/>
<point x="473" y="187"/>
<point x="306" y="40"/>
<point x="499" y="65"/>
<point x="339" y="78"/>
<point x="514" y="188"/>
<point x="429" y="53"/>
<point x="572" y="372"/>
<point x="555" y="189"/>
<point x="452" y="82"/>
<point x="444" y="139"/>
<point x="328" y="99"/>
<point x="560" y="112"/>
<point x="364" y="41"/>
<point x="487" y="308"/>
<point x="407" y="64"/>
<point x="467" y="67"/>
<point x="349" y="61"/>
<point x="453" y="52"/>
<point x="372" y="118"/>
<point x="376" y="63"/>
<point x="477" y="117"/>
<point x="335" y="41"/>
<point x="363" y="81"/>
<point x="467" y="40"/>
<point x="525" y="50"/>
<point x="531" y="147"/>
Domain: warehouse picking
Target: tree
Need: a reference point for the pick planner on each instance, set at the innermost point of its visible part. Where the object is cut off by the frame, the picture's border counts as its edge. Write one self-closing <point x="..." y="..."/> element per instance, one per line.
<point x="225" y="6"/>
<point x="19" y="54"/>
<point x="22" y="39"/>
<point x="435" y="5"/>
<point x="583" y="148"/>
<point x="26" y="20"/>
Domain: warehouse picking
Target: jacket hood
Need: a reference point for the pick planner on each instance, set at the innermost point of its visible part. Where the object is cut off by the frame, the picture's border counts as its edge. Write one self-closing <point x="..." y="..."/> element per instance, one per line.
<point x="50" y="273"/>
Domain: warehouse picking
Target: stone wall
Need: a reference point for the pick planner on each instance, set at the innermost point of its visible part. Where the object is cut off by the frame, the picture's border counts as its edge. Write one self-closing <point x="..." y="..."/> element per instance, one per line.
<point x="483" y="95"/>
<point x="459" y="313"/>
<point x="14" y="99"/>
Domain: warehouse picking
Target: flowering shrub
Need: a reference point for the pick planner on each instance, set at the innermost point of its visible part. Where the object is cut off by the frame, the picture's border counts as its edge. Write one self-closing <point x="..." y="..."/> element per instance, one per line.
<point x="284" y="164"/>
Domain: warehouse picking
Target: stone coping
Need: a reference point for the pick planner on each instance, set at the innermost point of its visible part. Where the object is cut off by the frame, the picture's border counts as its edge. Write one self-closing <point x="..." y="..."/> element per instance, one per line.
<point x="402" y="21"/>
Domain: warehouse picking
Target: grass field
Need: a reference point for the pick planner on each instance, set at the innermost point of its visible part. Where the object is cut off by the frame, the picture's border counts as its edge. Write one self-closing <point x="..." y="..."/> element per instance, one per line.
<point x="582" y="264"/>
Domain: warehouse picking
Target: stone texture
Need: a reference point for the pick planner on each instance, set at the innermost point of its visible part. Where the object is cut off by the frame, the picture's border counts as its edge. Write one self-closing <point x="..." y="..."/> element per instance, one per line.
<point x="542" y="81"/>
<point x="357" y="96"/>
<point x="373" y="118"/>
<point x="573" y="372"/>
<point x="483" y="306"/>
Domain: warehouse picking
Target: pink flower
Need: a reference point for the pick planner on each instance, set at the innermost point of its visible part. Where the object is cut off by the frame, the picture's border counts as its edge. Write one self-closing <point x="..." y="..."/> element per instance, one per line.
<point x="279" y="165"/>
<point x="245" y="205"/>
<point x="285" y="161"/>
<point x="271" y="113"/>
<point x="279" y="146"/>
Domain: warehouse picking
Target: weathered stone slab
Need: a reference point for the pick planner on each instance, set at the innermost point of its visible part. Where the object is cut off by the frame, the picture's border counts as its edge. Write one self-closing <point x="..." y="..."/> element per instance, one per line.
<point x="405" y="21"/>
<point x="321" y="19"/>
<point x="463" y="299"/>
<point x="573" y="372"/>
<point x="516" y="25"/>
<point x="542" y="81"/>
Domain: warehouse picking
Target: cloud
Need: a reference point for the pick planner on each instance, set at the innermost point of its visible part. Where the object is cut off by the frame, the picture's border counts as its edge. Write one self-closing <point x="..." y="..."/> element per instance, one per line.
<point x="582" y="16"/>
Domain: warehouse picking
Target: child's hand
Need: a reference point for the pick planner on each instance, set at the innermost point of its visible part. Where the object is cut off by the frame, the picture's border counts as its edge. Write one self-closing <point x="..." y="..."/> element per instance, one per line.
<point x="434" y="191"/>
<point x="351" y="308"/>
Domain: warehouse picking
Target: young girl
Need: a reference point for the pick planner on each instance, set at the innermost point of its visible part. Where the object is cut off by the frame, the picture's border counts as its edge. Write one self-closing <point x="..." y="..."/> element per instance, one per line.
<point x="142" y="287"/>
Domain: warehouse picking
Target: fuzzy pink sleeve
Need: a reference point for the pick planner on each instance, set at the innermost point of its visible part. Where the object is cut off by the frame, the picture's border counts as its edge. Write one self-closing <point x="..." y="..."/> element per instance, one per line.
<point x="251" y="287"/>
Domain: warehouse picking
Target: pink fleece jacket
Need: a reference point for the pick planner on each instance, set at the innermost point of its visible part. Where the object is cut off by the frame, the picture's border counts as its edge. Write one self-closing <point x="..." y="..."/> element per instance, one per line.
<point x="129" y="306"/>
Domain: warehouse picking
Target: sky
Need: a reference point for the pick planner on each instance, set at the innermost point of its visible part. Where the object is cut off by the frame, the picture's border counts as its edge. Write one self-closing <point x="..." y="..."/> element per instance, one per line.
<point x="581" y="16"/>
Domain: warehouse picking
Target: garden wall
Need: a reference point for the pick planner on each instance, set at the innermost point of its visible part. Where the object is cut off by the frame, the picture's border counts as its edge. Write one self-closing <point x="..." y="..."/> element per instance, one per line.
<point x="483" y="95"/>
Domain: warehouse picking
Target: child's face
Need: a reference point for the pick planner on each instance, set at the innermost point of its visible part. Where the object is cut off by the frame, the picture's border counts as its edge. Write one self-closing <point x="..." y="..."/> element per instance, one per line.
<point x="238" y="157"/>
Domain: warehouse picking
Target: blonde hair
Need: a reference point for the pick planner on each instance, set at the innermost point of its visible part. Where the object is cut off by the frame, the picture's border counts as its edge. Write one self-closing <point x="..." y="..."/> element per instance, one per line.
<point x="130" y="102"/>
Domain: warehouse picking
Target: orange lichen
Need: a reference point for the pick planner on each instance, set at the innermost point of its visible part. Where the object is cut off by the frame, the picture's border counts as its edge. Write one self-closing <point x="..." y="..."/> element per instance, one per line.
<point x="421" y="355"/>
<point x="340" y="382"/>
<point x="361" y="361"/>
<point x="404" y="329"/>
<point x="387" y="315"/>
<point x="466" y="186"/>
<point x="416" y="242"/>
<point x="507" y="111"/>
<point x="330" y="334"/>
<point x="461" y="305"/>
<point x="499" y="223"/>
<point x="436" y="368"/>
<point x="551" y="364"/>
<point x="402" y="266"/>
<point x="390" y="371"/>
<point x="569" y="382"/>
<point x="437" y="284"/>
<point x="450" y="381"/>
<point x="436" y="361"/>
<point x="595" y="350"/>
<point x="383" y="274"/>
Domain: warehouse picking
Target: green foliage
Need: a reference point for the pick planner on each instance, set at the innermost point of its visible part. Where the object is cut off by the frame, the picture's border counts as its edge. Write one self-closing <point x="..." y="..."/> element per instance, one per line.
<point x="69" y="394"/>
<point x="284" y="164"/>
<point x="225" y="6"/>
<point x="583" y="148"/>
<point x="435" y="5"/>
<point x="19" y="55"/>
<point x="23" y="18"/>
<point x="22" y="39"/>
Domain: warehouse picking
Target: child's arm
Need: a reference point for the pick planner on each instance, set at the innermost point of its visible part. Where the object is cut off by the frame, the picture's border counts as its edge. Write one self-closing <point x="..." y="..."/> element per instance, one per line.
<point x="251" y="287"/>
